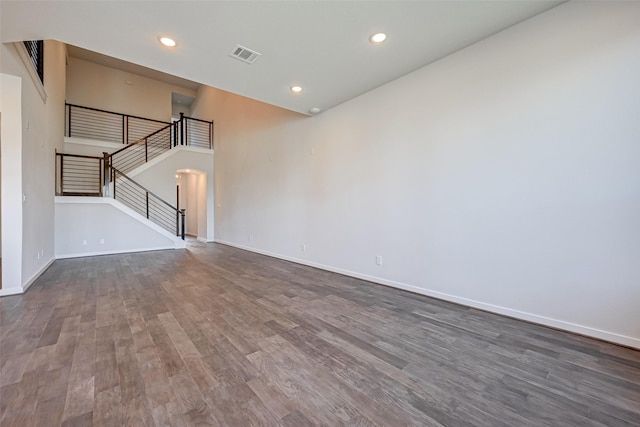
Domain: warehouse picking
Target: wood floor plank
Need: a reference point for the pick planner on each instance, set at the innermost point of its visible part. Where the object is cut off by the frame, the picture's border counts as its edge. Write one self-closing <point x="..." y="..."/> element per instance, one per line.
<point x="79" y="398"/>
<point x="107" y="409"/>
<point x="49" y="412"/>
<point x="213" y="335"/>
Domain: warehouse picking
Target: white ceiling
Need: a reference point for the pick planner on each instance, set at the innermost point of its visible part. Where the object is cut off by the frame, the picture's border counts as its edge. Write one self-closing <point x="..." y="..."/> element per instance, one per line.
<point x="320" y="45"/>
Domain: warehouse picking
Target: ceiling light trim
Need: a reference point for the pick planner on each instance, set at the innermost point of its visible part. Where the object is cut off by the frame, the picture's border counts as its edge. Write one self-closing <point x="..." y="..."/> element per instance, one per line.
<point x="167" y="41"/>
<point x="378" y="38"/>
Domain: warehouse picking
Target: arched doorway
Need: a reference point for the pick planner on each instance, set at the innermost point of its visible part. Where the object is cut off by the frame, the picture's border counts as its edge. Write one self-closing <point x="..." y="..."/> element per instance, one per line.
<point x="192" y="192"/>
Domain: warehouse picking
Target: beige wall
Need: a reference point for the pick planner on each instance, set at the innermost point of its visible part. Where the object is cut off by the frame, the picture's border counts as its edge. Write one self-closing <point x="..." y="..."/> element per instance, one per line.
<point x="97" y="86"/>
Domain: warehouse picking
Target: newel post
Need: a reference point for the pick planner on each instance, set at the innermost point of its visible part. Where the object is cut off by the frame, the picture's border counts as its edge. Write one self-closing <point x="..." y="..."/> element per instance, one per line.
<point x="106" y="172"/>
<point x="182" y="129"/>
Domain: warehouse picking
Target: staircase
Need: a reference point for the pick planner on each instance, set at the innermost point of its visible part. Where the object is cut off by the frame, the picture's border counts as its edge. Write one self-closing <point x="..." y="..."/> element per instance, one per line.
<point x="106" y="176"/>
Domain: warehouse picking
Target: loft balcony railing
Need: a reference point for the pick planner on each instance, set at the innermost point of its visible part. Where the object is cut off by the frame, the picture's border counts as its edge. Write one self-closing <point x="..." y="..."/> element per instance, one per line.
<point x="93" y="123"/>
<point x="78" y="175"/>
<point x="195" y="132"/>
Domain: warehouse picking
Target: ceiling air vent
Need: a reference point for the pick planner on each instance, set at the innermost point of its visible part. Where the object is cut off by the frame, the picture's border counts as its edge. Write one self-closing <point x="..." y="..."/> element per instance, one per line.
<point x="244" y="54"/>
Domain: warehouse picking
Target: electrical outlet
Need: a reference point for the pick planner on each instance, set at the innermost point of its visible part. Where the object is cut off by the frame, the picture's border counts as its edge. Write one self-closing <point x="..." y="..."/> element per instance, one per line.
<point x="250" y="237"/>
<point x="303" y="248"/>
<point x="84" y="242"/>
<point x="102" y="241"/>
<point x="378" y="260"/>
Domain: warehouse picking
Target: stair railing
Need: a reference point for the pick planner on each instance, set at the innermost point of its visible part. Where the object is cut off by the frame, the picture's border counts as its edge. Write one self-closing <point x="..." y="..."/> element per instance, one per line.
<point x="147" y="203"/>
<point x="143" y="150"/>
<point x="186" y="131"/>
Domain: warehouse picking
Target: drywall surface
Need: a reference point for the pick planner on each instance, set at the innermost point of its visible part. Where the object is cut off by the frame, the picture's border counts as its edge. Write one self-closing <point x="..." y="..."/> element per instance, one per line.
<point x="41" y="139"/>
<point x="0" y="177"/>
<point x="105" y="88"/>
<point x="204" y="207"/>
<point x="11" y="146"/>
<point x="193" y="198"/>
<point x="191" y="189"/>
<point x="504" y="176"/>
<point x="96" y="226"/>
<point x="42" y="121"/>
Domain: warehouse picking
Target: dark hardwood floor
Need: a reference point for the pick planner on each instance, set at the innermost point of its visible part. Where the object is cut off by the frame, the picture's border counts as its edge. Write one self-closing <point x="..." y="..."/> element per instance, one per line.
<point x="213" y="335"/>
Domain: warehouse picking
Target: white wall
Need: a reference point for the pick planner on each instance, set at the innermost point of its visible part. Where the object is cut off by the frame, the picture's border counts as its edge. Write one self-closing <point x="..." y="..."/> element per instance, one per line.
<point x="97" y="86"/>
<point x="0" y="181"/>
<point x="44" y="135"/>
<point x="193" y="198"/>
<point x="190" y="187"/>
<point x="204" y="207"/>
<point x="11" y="193"/>
<point x="504" y="176"/>
<point x="98" y="226"/>
<point x="42" y="121"/>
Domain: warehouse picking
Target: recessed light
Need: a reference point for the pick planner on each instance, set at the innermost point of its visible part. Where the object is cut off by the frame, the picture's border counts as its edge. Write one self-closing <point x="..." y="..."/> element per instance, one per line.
<point x="167" y="41"/>
<point x="378" y="38"/>
<point x="296" y="89"/>
<point x="314" y="110"/>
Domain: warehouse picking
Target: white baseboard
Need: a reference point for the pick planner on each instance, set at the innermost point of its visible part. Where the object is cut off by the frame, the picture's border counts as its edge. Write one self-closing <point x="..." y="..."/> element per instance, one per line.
<point x="115" y="252"/>
<point x="529" y="317"/>
<point x="23" y="289"/>
<point x="37" y="274"/>
<point x="11" y="291"/>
